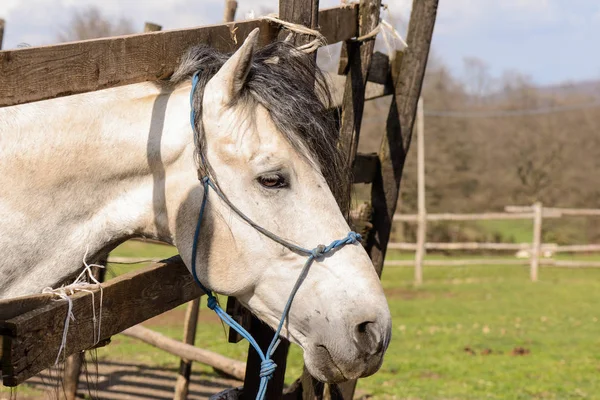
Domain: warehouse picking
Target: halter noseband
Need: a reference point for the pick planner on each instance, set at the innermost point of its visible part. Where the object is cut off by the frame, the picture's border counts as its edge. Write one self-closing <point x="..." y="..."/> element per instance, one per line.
<point x="267" y="366"/>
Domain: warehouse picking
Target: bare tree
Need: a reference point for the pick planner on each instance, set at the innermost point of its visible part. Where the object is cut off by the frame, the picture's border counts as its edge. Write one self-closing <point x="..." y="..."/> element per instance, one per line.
<point x="478" y="80"/>
<point x="90" y="23"/>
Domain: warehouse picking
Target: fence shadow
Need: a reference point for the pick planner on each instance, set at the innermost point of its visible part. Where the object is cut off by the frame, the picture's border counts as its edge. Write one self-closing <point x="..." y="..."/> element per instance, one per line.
<point x="118" y="380"/>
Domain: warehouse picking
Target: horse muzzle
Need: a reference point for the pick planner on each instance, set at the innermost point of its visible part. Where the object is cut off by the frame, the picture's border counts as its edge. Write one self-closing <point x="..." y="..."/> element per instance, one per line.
<point x="353" y="354"/>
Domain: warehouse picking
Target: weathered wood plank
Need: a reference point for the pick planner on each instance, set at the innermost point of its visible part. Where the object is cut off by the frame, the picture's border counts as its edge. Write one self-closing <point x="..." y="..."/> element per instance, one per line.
<point x="38" y="73"/>
<point x="359" y="63"/>
<point x="31" y="340"/>
<point x="397" y="138"/>
<point x="21" y="305"/>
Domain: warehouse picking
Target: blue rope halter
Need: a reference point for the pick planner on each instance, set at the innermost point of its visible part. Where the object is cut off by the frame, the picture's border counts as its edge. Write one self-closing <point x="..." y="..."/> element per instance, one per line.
<point x="267" y="366"/>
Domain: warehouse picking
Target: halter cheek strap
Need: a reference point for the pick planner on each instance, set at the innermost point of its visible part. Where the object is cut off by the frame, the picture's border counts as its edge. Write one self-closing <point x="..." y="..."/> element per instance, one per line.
<point x="267" y="366"/>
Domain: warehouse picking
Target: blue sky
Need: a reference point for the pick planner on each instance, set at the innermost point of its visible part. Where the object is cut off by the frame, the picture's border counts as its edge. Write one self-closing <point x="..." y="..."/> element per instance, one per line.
<point x="552" y="41"/>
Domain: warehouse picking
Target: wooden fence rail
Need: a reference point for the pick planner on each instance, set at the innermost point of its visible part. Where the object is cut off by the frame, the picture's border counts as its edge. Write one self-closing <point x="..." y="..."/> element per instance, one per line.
<point x="474" y="217"/>
<point x="536" y="248"/>
<point x="104" y="63"/>
<point x="127" y="300"/>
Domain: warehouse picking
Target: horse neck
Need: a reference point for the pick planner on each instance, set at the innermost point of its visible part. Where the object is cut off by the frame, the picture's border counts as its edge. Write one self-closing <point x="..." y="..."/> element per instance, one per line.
<point x="89" y="171"/>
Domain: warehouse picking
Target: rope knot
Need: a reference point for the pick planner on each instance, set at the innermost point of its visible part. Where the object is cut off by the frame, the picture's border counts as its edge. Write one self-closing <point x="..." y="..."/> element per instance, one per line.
<point x="212" y="302"/>
<point x="354" y="237"/>
<point x="267" y="368"/>
<point x="318" y="251"/>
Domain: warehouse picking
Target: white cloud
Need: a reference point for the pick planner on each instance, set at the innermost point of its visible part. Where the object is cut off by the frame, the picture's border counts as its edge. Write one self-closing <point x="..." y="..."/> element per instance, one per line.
<point x="6" y="6"/>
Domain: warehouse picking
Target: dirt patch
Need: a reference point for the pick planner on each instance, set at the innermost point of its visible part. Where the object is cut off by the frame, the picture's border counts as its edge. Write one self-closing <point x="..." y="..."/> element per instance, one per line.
<point x="517" y="351"/>
<point x="520" y="351"/>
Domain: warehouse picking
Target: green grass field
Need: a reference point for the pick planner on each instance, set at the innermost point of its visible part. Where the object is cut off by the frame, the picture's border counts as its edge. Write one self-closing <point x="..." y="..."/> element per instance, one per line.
<point x="456" y="337"/>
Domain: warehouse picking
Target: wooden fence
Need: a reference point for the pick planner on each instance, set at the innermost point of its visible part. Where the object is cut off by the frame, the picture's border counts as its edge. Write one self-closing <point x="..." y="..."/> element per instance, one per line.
<point x="536" y="249"/>
<point x="31" y="328"/>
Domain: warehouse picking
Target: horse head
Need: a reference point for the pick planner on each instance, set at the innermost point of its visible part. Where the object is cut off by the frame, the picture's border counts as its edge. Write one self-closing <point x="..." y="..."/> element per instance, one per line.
<point x="267" y="142"/>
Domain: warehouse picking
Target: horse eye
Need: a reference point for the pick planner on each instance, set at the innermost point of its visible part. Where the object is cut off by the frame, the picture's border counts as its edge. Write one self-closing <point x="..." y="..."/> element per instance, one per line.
<point x="273" y="181"/>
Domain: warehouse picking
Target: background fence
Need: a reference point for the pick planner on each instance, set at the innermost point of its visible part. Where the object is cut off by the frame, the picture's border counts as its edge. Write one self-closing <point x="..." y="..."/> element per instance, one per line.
<point x="532" y="250"/>
<point x="534" y="253"/>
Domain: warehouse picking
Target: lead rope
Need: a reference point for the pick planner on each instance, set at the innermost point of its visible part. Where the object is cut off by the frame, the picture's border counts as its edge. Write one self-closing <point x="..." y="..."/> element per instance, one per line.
<point x="267" y="365"/>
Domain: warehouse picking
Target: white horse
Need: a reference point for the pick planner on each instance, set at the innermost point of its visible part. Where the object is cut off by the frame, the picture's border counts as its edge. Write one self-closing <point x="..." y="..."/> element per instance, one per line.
<point x="87" y="172"/>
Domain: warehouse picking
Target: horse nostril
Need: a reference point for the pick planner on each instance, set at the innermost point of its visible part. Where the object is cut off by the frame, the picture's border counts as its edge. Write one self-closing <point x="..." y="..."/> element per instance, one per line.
<point x="367" y="336"/>
<point x="362" y="327"/>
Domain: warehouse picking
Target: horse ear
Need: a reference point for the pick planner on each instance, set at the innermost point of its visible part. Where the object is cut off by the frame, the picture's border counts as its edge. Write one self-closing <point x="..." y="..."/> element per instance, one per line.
<point x="231" y="77"/>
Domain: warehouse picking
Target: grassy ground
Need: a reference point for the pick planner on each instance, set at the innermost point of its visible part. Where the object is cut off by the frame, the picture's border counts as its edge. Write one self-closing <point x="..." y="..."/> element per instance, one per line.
<point x="467" y="333"/>
<point x="444" y="330"/>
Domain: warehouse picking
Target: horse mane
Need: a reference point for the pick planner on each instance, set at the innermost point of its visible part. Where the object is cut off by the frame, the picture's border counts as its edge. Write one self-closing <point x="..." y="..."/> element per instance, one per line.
<point x="295" y="92"/>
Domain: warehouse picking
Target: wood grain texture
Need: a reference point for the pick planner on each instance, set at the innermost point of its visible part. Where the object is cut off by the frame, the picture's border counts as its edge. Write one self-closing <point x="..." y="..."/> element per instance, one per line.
<point x="39" y="73"/>
<point x="408" y="71"/>
<point x="31" y="340"/>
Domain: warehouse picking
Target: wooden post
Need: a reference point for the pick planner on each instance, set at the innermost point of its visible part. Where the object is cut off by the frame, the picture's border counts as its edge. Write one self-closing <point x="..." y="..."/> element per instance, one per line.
<point x="409" y="70"/>
<point x="189" y="337"/>
<point x="359" y="55"/>
<point x="304" y="12"/>
<point x="74" y="362"/>
<point x="230" y="9"/>
<point x="152" y="27"/>
<point x="71" y="374"/>
<point x="537" y="240"/>
<point x="263" y="335"/>
<point x="422" y="213"/>
<point x="2" y="24"/>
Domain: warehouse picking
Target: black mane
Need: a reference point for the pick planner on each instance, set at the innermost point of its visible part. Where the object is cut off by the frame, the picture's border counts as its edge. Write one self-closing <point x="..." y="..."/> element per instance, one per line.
<point x="291" y="87"/>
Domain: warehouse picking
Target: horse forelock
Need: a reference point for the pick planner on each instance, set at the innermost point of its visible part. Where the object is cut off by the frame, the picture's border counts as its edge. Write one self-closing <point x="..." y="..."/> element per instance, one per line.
<point x="295" y="92"/>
